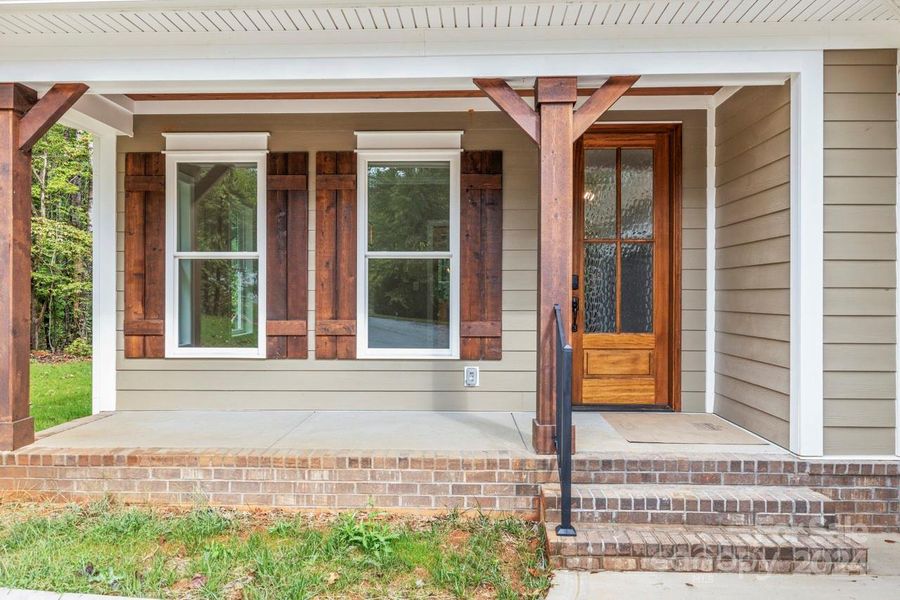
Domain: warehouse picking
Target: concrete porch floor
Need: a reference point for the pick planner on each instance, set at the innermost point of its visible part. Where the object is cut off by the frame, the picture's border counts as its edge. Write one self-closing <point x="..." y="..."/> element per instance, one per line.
<point x="428" y="431"/>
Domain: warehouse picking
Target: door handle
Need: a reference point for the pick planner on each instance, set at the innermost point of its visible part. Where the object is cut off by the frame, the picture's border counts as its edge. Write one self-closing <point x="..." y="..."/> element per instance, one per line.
<point x="575" y="314"/>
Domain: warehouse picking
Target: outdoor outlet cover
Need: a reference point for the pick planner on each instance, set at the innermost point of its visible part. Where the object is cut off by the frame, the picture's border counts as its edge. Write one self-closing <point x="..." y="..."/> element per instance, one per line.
<point x="471" y="377"/>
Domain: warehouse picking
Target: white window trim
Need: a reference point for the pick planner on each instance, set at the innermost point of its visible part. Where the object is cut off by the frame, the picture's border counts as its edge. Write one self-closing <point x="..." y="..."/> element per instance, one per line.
<point x="362" y="299"/>
<point x="172" y="159"/>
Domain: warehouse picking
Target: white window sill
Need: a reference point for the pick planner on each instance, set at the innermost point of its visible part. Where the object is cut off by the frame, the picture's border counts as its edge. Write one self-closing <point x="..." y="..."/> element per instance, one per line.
<point x="371" y="354"/>
<point x="217" y="353"/>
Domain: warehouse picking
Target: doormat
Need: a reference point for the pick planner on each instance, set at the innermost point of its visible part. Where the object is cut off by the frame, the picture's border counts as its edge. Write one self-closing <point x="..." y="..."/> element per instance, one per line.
<point x="684" y="428"/>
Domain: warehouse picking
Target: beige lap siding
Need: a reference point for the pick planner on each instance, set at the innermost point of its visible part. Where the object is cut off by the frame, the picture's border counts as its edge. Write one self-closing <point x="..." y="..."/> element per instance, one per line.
<point x="508" y="384"/>
<point x="753" y="260"/>
<point x="860" y="250"/>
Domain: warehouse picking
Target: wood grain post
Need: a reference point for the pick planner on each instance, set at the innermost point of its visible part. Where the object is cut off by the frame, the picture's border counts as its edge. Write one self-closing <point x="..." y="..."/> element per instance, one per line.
<point x="16" y="425"/>
<point x="23" y="120"/>
<point x="555" y="99"/>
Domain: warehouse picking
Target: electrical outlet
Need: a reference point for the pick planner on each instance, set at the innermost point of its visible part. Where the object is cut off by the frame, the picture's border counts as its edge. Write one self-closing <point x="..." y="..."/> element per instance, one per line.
<point x="471" y="377"/>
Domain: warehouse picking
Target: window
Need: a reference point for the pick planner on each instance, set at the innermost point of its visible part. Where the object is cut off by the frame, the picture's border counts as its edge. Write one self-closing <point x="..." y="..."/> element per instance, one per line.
<point x="409" y="252"/>
<point x="216" y="260"/>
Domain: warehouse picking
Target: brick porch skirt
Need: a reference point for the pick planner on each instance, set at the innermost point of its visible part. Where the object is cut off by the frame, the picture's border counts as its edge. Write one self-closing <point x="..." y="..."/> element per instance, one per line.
<point x="866" y="494"/>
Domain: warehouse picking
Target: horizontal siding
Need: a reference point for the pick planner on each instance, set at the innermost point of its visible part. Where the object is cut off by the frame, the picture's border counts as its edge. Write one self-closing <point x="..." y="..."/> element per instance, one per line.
<point x="508" y="384"/>
<point x="753" y="225"/>
<point x="860" y="251"/>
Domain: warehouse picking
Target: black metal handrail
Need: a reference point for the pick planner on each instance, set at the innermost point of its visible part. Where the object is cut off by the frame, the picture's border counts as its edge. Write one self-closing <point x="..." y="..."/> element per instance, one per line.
<point x="563" y="437"/>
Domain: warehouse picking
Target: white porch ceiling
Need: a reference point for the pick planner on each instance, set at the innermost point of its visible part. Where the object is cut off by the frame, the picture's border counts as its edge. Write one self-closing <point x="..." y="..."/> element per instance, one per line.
<point x="74" y="18"/>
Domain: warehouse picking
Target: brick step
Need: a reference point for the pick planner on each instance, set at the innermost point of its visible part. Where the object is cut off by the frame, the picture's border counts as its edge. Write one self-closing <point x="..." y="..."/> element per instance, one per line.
<point x="691" y="505"/>
<point x="686" y="548"/>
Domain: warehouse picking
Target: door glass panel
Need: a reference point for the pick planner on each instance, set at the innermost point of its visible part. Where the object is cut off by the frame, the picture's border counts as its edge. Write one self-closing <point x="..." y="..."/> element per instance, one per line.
<point x="637" y="288"/>
<point x="599" y="288"/>
<point x="600" y="193"/>
<point x="637" y="193"/>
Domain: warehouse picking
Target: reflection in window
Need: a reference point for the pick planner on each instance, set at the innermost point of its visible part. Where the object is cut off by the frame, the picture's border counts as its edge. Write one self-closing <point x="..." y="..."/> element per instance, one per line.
<point x="217" y="260"/>
<point x="409" y="303"/>
<point x="409" y="206"/>
<point x="408" y="256"/>
<point x="217" y="306"/>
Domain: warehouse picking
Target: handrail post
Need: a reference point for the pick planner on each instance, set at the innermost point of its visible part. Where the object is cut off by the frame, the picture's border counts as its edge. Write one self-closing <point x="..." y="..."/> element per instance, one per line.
<point x="563" y="436"/>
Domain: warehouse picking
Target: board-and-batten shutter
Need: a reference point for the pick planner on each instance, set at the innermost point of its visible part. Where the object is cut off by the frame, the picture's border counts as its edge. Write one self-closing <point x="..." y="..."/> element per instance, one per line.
<point x="335" y="255"/>
<point x="287" y="254"/>
<point x="145" y="258"/>
<point x="481" y="255"/>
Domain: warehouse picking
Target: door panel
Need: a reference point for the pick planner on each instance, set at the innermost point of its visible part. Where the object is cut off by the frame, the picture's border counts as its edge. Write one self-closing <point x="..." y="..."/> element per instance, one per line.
<point x="624" y="268"/>
<point x="618" y="362"/>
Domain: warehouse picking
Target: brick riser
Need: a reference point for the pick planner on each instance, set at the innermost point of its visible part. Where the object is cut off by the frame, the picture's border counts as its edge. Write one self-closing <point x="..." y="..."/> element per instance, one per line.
<point x="865" y="494"/>
<point x="693" y="518"/>
<point x="700" y="505"/>
<point x="721" y="549"/>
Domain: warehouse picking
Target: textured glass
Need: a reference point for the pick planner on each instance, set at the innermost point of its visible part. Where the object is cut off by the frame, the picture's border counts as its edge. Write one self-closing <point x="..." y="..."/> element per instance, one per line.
<point x="409" y="206"/>
<point x="217" y="207"/>
<point x="599" y="288"/>
<point x="218" y="303"/>
<point x="637" y="288"/>
<point x="600" y="193"/>
<point x="637" y="193"/>
<point x="409" y="303"/>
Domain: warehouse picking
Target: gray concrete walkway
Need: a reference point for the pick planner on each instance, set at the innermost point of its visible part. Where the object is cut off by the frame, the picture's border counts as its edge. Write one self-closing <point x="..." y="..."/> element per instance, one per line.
<point x="348" y="430"/>
<point x="881" y="583"/>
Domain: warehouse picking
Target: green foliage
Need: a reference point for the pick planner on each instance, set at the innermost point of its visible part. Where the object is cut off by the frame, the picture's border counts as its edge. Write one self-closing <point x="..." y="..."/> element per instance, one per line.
<point x="60" y="392"/>
<point x="80" y="348"/>
<point x="61" y="238"/>
<point x="374" y="539"/>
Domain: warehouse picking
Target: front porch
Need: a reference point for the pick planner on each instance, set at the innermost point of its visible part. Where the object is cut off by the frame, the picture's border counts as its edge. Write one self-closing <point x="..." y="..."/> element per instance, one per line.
<point x="710" y="496"/>
<point x="400" y="432"/>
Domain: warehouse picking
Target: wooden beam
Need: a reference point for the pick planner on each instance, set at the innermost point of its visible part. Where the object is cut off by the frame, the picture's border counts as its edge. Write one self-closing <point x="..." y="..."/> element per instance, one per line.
<point x="555" y="98"/>
<point x="16" y="424"/>
<point x="706" y="90"/>
<point x="212" y="177"/>
<point x="512" y="104"/>
<point x="47" y="111"/>
<point x="599" y="102"/>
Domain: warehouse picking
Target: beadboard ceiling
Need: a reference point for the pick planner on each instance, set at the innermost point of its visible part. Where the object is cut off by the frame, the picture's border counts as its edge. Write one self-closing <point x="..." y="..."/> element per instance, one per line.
<point x="73" y="18"/>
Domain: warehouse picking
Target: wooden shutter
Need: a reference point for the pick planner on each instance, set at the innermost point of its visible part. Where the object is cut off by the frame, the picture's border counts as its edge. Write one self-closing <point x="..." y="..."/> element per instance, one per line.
<point x="145" y="258"/>
<point x="481" y="255"/>
<point x="335" y="255"/>
<point x="287" y="254"/>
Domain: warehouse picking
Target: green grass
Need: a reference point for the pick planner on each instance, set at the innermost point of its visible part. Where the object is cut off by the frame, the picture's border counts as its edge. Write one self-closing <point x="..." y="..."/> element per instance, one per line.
<point x="210" y="553"/>
<point x="60" y="392"/>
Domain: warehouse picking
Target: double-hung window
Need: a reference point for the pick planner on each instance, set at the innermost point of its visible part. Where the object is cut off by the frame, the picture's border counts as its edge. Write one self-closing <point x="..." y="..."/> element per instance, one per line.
<point x="408" y="253"/>
<point x="216" y="254"/>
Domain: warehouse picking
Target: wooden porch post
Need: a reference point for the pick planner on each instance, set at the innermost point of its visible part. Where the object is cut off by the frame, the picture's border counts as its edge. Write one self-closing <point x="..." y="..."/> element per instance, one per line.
<point x="555" y="102"/>
<point x="555" y="127"/>
<point x="23" y="120"/>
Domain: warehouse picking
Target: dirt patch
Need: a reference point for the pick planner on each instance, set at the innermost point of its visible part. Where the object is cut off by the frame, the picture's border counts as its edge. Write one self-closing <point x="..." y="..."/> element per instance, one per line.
<point x="55" y="358"/>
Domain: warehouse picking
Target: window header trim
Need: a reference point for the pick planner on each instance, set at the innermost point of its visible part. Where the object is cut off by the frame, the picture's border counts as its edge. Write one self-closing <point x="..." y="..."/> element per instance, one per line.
<point x="217" y="141"/>
<point x="408" y="140"/>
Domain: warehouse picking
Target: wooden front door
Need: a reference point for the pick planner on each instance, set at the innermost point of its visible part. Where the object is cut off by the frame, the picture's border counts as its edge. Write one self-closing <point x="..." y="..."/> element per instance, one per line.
<point x="625" y="314"/>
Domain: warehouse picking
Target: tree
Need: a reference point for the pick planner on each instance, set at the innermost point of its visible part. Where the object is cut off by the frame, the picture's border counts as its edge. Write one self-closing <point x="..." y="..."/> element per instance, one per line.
<point x="61" y="239"/>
